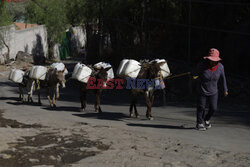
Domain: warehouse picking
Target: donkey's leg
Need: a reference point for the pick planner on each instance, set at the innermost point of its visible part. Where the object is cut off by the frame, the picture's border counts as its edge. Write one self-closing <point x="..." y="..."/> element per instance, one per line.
<point x="31" y="87"/>
<point x="83" y="93"/>
<point x="136" y="113"/>
<point x="20" y="92"/>
<point x="149" y="106"/>
<point x="131" y="110"/>
<point x="132" y="103"/>
<point x="97" y="105"/>
<point x="39" y="96"/>
<point x="151" y="101"/>
<point x="84" y="100"/>
<point x="48" y="96"/>
<point x="57" y="91"/>
<point x="54" y="97"/>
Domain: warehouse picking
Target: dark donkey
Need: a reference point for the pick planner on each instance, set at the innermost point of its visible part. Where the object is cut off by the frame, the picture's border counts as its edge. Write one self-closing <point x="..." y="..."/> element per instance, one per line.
<point x="97" y="75"/>
<point x="149" y="71"/>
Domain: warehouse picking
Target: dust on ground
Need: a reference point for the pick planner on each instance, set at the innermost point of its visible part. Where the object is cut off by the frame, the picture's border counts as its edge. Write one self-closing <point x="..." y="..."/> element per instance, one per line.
<point x="47" y="147"/>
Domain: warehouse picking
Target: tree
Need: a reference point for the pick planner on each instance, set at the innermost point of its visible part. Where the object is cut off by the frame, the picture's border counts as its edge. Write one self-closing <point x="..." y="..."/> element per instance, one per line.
<point x="5" y="20"/>
<point x="17" y="9"/>
<point x="52" y="14"/>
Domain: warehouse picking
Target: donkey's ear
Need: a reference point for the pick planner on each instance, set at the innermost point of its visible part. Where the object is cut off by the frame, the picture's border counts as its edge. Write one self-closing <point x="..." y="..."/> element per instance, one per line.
<point x="145" y="65"/>
<point x="54" y="71"/>
<point x="107" y="69"/>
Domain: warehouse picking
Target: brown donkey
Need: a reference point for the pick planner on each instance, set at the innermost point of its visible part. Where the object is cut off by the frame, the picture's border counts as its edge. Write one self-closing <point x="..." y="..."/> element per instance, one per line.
<point x="149" y="71"/>
<point x="97" y="75"/>
<point x="52" y="82"/>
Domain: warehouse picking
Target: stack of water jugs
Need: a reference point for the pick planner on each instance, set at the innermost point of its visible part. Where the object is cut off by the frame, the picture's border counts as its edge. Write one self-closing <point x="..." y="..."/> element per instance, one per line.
<point x="82" y="72"/>
<point x="131" y="68"/>
<point x="36" y="72"/>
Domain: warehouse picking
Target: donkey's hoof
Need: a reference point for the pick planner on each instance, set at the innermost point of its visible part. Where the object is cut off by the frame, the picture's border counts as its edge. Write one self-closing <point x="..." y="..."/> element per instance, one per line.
<point x="82" y="110"/>
<point x="131" y="115"/>
<point x="137" y="116"/>
<point x="150" y="118"/>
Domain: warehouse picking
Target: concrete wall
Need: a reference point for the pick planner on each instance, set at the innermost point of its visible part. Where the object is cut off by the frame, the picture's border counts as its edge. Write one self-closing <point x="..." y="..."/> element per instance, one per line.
<point x="31" y="40"/>
<point x="34" y="41"/>
<point x="79" y="34"/>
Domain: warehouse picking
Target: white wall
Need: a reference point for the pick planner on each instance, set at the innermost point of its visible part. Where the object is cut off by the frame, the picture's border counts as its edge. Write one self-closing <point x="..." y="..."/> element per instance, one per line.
<point x="79" y="34"/>
<point x="28" y="40"/>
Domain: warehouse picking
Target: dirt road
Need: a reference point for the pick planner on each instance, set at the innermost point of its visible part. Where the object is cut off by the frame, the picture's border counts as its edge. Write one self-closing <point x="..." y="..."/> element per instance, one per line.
<point x="67" y="137"/>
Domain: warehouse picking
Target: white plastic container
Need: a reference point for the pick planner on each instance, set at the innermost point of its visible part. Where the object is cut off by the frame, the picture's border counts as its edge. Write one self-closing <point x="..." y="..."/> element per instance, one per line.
<point x="111" y="74"/>
<point x="105" y="65"/>
<point x="99" y="65"/>
<point x="131" y="69"/>
<point x="16" y="75"/>
<point x="38" y="72"/>
<point x="121" y="66"/>
<point x="58" y="66"/>
<point x="66" y="72"/>
<point x="81" y="73"/>
<point x="164" y="68"/>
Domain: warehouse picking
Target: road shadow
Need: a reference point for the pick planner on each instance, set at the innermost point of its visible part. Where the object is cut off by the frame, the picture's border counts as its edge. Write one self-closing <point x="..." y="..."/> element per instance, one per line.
<point x="9" y="84"/>
<point x="10" y="98"/>
<point x="18" y="102"/>
<point x="226" y="116"/>
<point x="104" y="116"/>
<point x="63" y="108"/>
<point x="161" y="126"/>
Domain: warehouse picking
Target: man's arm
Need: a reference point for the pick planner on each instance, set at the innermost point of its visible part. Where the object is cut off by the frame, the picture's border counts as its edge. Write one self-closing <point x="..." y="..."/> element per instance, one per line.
<point x="224" y="82"/>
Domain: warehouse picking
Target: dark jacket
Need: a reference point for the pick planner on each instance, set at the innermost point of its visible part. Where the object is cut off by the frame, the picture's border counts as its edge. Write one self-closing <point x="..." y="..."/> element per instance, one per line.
<point x="208" y="80"/>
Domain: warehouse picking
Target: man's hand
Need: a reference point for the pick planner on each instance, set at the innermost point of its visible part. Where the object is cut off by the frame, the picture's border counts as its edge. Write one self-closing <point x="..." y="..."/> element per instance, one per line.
<point x="226" y="93"/>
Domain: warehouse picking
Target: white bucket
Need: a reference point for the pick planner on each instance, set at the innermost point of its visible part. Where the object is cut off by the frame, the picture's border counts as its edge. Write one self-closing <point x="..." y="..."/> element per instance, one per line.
<point x="38" y="72"/>
<point x="16" y="75"/>
<point x="121" y="66"/>
<point x="131" y="69"/>
<point x="164" y="68"/>
<point x="58" y="66"/>
<point x="66" y="72"/>
<point x="81" y="73"/>
<point x="105" y="65"/>
<point x="111" y="74"/>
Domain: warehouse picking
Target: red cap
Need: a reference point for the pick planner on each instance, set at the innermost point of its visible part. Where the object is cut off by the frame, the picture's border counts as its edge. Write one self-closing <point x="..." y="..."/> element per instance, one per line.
<point x="213" y="55"/>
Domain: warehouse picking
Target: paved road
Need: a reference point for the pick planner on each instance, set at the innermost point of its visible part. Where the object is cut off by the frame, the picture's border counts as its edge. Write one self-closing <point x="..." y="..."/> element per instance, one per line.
<point x="230" y="131"/>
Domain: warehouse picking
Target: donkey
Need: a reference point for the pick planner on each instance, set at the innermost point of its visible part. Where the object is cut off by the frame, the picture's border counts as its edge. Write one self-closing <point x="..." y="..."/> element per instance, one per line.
<point x="97" y="75"/>
<point x="149" y="71"/>
<point x="52" y="82"/>
<point x="26" y="84"/>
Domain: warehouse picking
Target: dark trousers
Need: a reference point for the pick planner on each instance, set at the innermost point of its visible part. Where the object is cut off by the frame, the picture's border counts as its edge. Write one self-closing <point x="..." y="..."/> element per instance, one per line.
<point x="201" y="105"/>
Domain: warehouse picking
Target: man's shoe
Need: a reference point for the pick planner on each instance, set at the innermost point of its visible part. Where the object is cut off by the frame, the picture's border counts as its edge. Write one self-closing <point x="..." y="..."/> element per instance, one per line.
<point x="207" y="124"/>
<point x="200" y="127"/>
